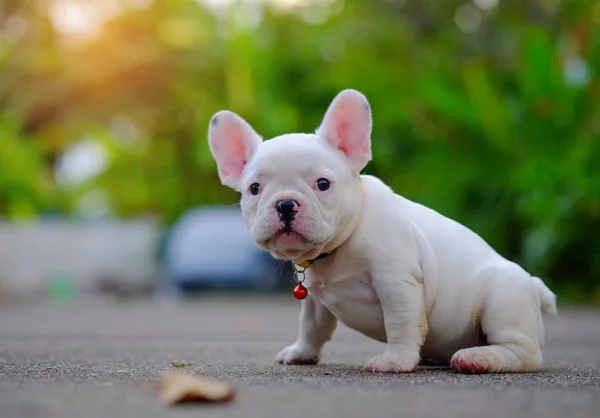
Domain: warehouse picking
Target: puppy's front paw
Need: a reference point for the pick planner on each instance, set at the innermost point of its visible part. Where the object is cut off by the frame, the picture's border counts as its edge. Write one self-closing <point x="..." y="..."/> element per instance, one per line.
<point x="395" y="359"/>
<point x="297" y="354"/>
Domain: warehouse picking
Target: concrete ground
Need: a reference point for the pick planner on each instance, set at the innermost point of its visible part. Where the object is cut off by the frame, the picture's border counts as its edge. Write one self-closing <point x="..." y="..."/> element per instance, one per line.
<point x="90" y="359"/>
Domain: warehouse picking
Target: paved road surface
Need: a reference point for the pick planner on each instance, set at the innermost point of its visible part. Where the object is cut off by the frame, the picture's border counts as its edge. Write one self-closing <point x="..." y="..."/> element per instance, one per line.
<point x="90" y="360"/>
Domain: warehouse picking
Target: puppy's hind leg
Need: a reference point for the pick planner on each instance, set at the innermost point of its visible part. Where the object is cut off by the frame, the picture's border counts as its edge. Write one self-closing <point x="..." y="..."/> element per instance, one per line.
<point x="512" y="323"/>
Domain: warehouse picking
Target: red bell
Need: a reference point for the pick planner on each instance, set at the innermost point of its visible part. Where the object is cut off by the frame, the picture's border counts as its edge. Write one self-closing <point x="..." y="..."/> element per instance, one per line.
<point x="300" y="292"/>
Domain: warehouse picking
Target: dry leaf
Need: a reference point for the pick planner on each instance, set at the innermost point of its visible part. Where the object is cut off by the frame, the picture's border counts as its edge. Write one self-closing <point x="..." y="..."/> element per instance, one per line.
<point x="179" y="387"/>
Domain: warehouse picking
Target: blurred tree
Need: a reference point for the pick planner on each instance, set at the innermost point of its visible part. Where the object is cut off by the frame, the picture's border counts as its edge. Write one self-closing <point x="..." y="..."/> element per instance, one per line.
<point x="485" y="110"/>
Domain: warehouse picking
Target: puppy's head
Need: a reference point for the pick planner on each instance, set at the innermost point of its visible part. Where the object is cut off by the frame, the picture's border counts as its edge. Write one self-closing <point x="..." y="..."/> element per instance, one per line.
<point x="300" y="193"/>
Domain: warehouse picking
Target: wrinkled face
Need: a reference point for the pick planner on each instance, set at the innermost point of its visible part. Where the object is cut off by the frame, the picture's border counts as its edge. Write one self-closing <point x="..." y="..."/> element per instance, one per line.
<point x="298" y="191"/>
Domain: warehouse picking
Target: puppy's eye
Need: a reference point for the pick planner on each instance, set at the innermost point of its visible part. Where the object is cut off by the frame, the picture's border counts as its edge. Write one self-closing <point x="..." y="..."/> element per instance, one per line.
<point x="323" y="184"/>
<point x="254" y="189"/>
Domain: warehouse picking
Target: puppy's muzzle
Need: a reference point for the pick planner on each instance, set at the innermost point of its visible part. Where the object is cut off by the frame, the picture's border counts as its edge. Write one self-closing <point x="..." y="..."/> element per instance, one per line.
<point x="287" y="209"/>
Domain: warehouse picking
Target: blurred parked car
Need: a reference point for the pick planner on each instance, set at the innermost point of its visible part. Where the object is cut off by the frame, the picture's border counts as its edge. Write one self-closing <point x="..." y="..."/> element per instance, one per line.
<point x="211" y="248"/>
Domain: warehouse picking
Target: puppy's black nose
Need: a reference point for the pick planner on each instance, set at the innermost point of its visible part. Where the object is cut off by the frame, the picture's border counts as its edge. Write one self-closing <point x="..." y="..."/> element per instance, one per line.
<point x="287" y="209"/>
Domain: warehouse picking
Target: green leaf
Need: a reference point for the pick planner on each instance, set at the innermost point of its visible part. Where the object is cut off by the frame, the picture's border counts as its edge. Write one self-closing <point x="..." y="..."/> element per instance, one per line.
<point x="490" y="108"/>
<point x="180" y="364"/>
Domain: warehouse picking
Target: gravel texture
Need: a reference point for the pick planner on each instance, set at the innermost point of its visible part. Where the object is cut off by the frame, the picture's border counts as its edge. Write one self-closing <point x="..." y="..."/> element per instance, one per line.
<point x="91" y="359"/>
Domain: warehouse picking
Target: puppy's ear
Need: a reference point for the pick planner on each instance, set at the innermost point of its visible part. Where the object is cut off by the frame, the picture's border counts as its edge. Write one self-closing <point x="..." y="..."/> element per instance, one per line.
<point x="347" y="127"/>
<point x="232" y="142"/>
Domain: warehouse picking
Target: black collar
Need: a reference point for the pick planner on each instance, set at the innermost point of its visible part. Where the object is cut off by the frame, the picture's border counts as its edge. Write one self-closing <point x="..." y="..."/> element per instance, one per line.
<point x="306" y="264"/>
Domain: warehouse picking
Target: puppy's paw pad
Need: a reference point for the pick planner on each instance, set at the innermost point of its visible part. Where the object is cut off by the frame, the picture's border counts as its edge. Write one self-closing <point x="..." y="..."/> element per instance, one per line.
<point x="295" y="354"/>
<point x="393" y="362"/>
<point x="469" y="361"/>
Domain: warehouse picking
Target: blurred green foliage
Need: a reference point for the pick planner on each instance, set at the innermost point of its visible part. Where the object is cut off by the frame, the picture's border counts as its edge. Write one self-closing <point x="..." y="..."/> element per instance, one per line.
<point x="490" y="115"/>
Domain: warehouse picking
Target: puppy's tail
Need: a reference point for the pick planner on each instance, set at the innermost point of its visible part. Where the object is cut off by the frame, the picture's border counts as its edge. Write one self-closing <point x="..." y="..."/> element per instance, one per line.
<point x="546" y="296"/>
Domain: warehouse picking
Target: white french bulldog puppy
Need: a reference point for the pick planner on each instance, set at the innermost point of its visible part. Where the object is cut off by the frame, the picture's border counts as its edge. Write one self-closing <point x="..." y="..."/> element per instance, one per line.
<point x="398" y="272"/>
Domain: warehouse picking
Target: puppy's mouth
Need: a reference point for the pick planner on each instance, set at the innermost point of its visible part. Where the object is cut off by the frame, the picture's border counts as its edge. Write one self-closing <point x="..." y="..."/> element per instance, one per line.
<point x="286" y="237"/>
